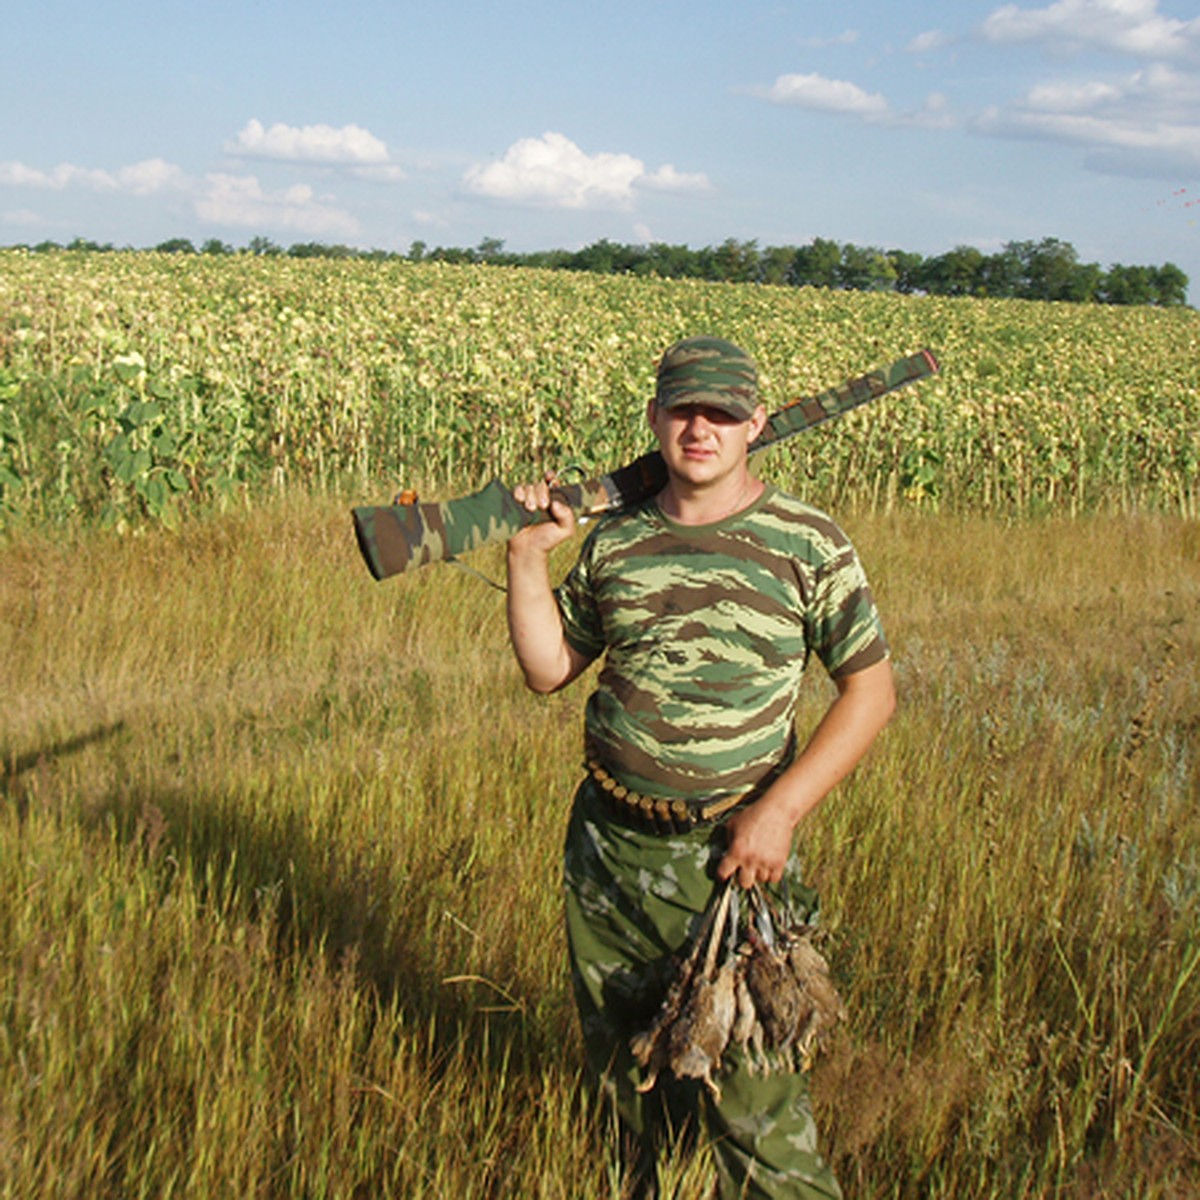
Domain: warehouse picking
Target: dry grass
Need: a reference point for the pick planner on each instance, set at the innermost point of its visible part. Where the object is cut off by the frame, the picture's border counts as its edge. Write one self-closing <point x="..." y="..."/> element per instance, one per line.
<point x="279" y="907"/>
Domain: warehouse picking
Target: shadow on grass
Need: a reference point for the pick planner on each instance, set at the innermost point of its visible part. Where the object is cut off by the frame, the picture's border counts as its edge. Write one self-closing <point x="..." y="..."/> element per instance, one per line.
<point x="316" y="899"/>
<point x="15" y="767"/>
<point x="394" y="928"/>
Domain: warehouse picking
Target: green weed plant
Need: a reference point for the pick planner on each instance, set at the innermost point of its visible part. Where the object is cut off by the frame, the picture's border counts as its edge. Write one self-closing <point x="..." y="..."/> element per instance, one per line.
<point x="137" y="387"/>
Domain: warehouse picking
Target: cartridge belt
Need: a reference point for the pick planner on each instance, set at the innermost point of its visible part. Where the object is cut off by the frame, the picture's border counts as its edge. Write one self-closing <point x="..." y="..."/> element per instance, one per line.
<point x="658" y="813"/>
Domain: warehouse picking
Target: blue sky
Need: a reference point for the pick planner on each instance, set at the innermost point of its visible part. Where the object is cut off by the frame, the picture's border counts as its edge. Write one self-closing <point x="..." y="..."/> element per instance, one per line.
<point x="916" y="126"/>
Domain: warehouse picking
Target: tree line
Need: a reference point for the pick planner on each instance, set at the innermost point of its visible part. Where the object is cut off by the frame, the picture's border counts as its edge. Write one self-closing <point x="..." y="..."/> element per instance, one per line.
<point x="1049" y="269"/>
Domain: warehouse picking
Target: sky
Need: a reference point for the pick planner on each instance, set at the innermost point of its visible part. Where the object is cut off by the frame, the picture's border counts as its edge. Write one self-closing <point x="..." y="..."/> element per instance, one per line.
<point x="915" y="126"/>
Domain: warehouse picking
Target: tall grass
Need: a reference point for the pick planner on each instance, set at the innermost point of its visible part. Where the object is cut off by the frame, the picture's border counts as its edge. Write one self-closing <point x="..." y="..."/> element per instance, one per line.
<point x="279" y="908"/>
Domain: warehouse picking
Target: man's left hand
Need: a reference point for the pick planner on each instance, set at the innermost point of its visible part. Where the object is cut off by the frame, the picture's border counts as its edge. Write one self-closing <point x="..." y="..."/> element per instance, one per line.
<point x="759" y="842"/>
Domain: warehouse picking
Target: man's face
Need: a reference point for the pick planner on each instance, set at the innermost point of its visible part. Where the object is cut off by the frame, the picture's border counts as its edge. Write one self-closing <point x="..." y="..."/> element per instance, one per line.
<point x="701" y="444"/>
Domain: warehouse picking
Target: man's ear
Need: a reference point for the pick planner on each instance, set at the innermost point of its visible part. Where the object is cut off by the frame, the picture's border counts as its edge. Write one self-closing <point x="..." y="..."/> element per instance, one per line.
<point x="758" y="421"/>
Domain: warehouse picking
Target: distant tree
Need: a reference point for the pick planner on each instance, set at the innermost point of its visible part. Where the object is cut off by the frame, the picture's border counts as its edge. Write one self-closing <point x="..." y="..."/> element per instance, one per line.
<point x="864" y="269"/>
<point x="263" y="246"/>
<point x="416" y="252"/>
<point x="775" y="265"/>
<point x="1048" y="268"/>
<point x="703" y="263"/>
<point x="598" y="257"/>
<point x="908" y="268"/>
<point x="176" y="246"/>
<point x="320" y="250"/>
<point x="667" y="262"/>
<point x="1165" y="286"/>
<point x="1170" y="286"/>
<point x="452" y="254"/>
<point x="216" y="246"/>
<point x="81" y="243"/>
<point x="1000" y="274"/>
<point x="1126" y="285"/>
<point x="1084" y="283"/>
<point x="490" y="249"/>
<point x="958" y="272"/>
<point x="816" y="264"/>
<point x="549" y="260"/>
<point x="737" y="262"/>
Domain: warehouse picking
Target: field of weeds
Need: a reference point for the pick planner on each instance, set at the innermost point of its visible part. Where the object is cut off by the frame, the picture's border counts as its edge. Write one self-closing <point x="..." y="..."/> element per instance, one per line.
<point x="279" y="878"/>
<point x="148" y="386"/>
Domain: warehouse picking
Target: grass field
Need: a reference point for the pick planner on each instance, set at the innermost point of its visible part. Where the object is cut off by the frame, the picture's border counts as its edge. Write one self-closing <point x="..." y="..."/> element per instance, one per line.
<point x="279" y="880"/>
<point x="279" y="907"/>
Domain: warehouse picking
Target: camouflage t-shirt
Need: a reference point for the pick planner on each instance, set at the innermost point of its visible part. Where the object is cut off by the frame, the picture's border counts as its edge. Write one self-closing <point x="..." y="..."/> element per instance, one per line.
<point x="708" y="629"/>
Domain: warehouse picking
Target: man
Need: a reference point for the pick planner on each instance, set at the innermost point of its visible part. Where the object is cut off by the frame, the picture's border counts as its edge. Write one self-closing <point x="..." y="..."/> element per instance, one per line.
<point x="706" y="602"/>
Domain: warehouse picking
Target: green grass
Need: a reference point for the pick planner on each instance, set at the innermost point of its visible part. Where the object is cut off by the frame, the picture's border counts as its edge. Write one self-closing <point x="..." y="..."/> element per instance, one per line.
<point x="279" y="880"/>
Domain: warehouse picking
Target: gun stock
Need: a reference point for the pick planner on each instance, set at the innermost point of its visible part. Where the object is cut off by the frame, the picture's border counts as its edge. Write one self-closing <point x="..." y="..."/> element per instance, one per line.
<point x="394" y="538"/>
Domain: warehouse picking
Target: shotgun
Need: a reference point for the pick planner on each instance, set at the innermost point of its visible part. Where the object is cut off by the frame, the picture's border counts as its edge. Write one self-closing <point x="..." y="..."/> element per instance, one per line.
<point x="407" y="534"/>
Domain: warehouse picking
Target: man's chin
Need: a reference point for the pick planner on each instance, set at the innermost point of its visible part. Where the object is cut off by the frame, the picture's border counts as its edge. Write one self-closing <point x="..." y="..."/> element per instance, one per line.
<point x="703" y="468"/>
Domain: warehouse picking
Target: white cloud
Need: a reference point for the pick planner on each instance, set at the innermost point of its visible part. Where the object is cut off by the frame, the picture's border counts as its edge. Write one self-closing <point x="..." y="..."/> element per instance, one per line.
<point x="924" y="43"/>
<point x="1148" y="122"/>
<point x="839" y="97"/>
<point x="846" y="38"/>
<point x="1070" y="96"/>
<point x="222" y="199"/>
<point x="820" y="94"/>
<point x="240" y="200"/>
<point x="150" y="176"/>
<point x="667" y="179"/>
<point x="553" y="171"/>
<point x="1133" y="27"/>
<point x="17" y="174"/>
<point x="934" y="113"/>
<point x="21" y="216"/>
<point x="141" y="179"/>
<point x="349" y="145"/>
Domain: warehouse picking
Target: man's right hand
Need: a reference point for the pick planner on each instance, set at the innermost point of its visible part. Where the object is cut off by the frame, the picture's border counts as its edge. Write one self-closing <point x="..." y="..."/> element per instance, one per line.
<point x="545" y="535"/>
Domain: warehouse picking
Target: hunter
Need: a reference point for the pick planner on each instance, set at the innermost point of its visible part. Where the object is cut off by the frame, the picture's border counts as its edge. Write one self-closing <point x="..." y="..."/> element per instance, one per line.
<point x="706" y="602"/>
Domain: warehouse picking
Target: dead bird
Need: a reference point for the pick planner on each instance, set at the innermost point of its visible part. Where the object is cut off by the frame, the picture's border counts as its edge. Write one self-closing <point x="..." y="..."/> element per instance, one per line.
<point x="779" y="1001"/>
<point x="650" y="1047"/>
<point x="698" y="1039"/>
<point x="811" y="972"/>
<point x="770" y="991"/>
<point x="747" y="1031"/>
<point x="790" y="983"/>
<point x="692" y="1027"/>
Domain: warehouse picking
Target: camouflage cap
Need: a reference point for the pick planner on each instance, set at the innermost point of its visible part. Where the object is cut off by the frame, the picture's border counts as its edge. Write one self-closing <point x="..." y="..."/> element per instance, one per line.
<point x="711" y="371"/>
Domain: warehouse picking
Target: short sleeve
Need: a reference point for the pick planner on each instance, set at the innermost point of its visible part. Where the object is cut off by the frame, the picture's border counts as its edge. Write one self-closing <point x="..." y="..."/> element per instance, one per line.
<point x="844" y="629"/>
<point x="576" y="598"/>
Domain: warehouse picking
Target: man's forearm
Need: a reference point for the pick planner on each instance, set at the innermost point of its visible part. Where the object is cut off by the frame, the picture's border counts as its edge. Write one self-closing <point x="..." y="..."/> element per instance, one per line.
<point x="864" y="705"/>
<point x="760" y="836"/>
<point x="535" y="627"/>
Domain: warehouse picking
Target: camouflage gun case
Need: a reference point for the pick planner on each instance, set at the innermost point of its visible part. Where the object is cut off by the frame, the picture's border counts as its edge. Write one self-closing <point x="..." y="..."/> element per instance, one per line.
<point x="407" y="534"/>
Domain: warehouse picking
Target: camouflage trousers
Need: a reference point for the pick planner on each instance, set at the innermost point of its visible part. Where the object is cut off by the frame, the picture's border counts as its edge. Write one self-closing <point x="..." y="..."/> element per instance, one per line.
<point x="633" y="898"/>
